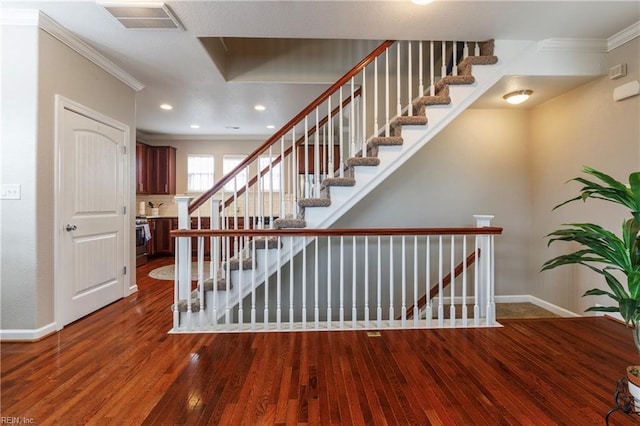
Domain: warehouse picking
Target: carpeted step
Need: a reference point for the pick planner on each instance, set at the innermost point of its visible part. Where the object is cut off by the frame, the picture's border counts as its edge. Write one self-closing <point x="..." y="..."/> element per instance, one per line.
<point x="291" y="222"/>
<point x="314" y="202"/>
<point x="338" y="181"/>
<point x="183" y="305"/>
<point x="234" y="264"/>
<point x="385" y="141"/>
<point x="268" y="242"/>
<point x="221" y="284"/>
<point x="363" y="161"/>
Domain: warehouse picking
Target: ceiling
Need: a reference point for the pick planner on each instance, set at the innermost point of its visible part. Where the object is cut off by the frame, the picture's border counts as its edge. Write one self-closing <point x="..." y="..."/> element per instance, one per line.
<point x="179" y="67"/>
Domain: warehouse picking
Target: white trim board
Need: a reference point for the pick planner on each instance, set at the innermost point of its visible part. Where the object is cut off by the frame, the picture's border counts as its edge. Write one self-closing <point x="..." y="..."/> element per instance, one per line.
<point x="28" y="335"/>
<point x="527" y="298"/>
<point x="33" y="17"/>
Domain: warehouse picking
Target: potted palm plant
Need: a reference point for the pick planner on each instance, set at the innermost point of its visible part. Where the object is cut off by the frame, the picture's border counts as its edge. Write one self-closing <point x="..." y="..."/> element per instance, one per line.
<point x="605" y="252"/>
<point x="613" y="256"/>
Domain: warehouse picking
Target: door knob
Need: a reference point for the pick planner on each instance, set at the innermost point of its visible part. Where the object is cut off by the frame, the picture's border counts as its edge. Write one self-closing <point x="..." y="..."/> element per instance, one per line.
<point x="70" y="228"/>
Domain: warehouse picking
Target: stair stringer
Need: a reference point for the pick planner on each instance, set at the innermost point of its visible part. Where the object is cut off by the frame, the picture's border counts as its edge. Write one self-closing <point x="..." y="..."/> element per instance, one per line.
<point x="368" y="178"/>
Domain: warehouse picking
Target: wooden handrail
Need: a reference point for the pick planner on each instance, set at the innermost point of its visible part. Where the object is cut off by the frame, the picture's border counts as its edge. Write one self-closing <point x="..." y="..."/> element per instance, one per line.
<point x="435" y="289"/>
<point x="280" y="133"/>
<point x="288" y="151"/>
<point x="334" y="232"/>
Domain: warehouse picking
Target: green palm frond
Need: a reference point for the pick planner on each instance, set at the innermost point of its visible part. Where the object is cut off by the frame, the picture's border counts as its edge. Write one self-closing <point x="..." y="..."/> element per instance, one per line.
<point x="603" y="251"/>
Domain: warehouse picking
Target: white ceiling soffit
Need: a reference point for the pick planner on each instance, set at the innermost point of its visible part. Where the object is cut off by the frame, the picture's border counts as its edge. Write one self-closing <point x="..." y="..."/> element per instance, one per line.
<point x="143" y="16"/>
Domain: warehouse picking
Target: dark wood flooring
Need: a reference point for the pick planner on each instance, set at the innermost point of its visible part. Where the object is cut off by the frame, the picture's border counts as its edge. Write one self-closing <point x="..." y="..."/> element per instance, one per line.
<point x="119" y="366"/>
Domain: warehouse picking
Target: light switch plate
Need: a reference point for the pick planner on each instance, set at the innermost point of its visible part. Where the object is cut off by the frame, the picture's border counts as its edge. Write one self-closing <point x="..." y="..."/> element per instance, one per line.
<point x="10" y="191"/>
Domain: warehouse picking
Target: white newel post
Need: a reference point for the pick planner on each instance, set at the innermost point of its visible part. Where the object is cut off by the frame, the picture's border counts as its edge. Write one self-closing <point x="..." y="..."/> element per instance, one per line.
<point x="485" y="296"/>
<point x="183" y="250"/>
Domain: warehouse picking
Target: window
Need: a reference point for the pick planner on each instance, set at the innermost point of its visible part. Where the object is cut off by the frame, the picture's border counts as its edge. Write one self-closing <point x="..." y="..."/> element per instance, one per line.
<point x="270" y="180"/>
<point x="230" y="162"/>
<point x="199" y="172"/>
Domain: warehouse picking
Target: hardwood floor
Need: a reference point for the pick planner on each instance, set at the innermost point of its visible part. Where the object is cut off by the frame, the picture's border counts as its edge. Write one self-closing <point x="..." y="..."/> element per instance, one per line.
<point x="119" y="366"/>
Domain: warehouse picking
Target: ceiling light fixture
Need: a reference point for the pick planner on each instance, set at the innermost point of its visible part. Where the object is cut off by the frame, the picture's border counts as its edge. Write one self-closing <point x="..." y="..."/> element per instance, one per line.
<point x="259" y="107"/>
<point x="518" y="97"/>
<point x="271" y="126"/>
<point x="166" y="107"/>
<point x="421" y="2"/>
<point x="195" y="126"/>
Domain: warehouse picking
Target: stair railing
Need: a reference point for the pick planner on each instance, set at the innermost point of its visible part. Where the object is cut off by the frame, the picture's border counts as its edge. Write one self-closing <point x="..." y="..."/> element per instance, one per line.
<point x="307" y="150"/>
<point x="293" y="163"/>
<point x="342" y="279"/>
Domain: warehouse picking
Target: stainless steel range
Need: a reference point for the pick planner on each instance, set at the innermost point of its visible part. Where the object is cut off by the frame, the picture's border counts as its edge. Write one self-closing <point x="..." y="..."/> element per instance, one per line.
<point x="142" y="236"/>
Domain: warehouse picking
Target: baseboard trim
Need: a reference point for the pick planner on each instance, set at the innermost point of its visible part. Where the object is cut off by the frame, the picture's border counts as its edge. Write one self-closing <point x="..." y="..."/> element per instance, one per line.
<point x="527" y="298"/>
<point x="28" y="335"/>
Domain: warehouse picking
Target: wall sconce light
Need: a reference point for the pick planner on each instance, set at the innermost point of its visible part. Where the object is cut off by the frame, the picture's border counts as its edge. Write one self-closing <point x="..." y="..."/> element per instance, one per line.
<point x="518" y="97"/>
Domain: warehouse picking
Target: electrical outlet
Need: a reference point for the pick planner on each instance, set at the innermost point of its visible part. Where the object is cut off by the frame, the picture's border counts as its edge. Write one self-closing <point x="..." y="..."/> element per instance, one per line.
<point x="10" y="191"/>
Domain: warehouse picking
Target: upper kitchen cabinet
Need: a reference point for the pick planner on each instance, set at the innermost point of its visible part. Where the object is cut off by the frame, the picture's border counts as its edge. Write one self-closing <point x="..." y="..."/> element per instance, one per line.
<point x="156" y="169"/>
<point x="162" y="173"/>
<point x="323" y="160"/>
<point x="142" y="169"/>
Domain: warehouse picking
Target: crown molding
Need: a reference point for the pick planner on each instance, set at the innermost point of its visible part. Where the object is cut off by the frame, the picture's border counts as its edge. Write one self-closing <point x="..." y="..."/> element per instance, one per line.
<point x="620" y="38"/>
<point x="572" y="45"/>
<point x="34" y="17"/>
<point x="143" y="136"/>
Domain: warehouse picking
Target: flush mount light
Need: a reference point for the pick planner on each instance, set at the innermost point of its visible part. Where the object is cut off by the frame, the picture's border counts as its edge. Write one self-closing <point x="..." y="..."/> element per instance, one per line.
<point x="271" y="126"/>
<point x="421" y="2"/>
<point x="517" y="97"/>
<point x="195" y="126"/>
<point x="166" y="107"/>
<point x="259" y="107"/>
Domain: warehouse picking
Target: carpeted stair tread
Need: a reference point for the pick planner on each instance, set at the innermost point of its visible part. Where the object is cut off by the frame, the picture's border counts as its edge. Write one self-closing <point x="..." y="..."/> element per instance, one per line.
<point x="455" y="80"/>
<point x="220" y="282"/>
<point x="433" y="100"/>
<point x="285" y="223"/>
<point x="234" y="264"/>
<point x="269" y="242"/>
<point x="338" y="181"/>
<point x="183" y="305"/>
<point x="487" y="48"/>
<point x="409" y="120"/>
<point x="385" y="141"/>
<point x="363" y="161"/>
<point x="314" y="202"/>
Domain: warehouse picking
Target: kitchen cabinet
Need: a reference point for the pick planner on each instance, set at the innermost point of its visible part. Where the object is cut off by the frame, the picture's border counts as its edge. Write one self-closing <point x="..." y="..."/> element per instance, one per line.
<point x="161" y="243"/>
<point x="162" y="169"/>
<point x="155" y="169"/>
<point x="142" y="169"/>
<point x="204" y="224"/>
<point x="323" y="161"/>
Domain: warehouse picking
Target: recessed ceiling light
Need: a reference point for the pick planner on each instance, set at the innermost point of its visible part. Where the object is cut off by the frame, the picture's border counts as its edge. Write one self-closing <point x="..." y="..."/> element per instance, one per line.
<point x="517" y="97"/>
<point x="195" y="126"/>
<point x="166" y="107"/>
<point x="271" y="126"/>
<point x="421" y="2"/>
<point x="259" y="107"/>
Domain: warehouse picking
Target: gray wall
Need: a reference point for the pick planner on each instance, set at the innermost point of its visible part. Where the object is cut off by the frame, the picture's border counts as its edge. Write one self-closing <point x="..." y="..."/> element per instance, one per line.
<point x="582" y="127"/>
<point x="48" y="68"/>
<point x="477" y="165"/>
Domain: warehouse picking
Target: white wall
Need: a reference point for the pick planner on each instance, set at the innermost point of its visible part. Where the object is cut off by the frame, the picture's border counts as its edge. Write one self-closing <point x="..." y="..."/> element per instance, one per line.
<point x="584" y="127"/>
<point x="19" y="271"/>
<point x="53" y="68"/>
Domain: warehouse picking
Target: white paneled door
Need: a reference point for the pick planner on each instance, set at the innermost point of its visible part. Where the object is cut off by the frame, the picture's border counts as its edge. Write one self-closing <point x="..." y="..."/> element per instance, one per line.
<point x="92" y="160"/>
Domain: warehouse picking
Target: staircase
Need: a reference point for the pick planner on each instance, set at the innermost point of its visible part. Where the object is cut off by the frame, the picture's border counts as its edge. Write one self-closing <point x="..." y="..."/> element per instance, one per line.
<point x="364" y="161"/>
